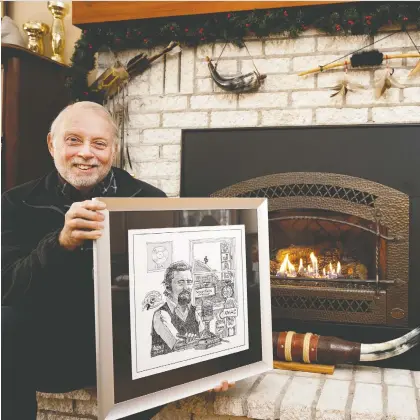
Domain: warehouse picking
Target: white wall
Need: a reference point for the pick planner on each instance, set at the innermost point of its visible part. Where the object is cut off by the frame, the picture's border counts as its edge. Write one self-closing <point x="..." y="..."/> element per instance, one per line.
<point x="178" y="93"/>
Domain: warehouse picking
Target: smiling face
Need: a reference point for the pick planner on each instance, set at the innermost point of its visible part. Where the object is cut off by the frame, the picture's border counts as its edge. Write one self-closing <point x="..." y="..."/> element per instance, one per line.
<point x="83" y="147"/>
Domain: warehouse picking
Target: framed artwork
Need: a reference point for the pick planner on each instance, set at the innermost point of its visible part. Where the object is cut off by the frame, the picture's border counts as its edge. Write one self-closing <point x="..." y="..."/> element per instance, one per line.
<point x="180" y="304"/>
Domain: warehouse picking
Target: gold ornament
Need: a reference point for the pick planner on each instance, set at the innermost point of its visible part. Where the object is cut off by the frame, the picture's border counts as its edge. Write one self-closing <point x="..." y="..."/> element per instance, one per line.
<point x="36" y="31"/>
<point x="59" y="11"/>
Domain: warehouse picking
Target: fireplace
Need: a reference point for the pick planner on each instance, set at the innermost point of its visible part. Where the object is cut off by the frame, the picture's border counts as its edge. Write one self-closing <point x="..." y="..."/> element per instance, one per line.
<point x="344" y="220"/>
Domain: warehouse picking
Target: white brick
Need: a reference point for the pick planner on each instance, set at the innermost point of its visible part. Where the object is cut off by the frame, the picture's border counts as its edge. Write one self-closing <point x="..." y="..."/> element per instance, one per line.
<point x="156" y="77"/>
<point x="411" y="62"/>
<point x="171" y="152"/>
<point x="417" y="379"/>
<point x="234" y="119"/>
<point x="333" y="399"/>
<point x="158" y="103"/>
<point x="398" y="377"/>
<point x="132" y="137"/>
<point x="204" y="85"/>
<point x="328" y="80"/>
<point x="158" y="169"/>
<point x="402" y="76"/>
<point x="309" y="62"/>
<point x="300" y="394"/>
<point x="412" y="94"/>
<point x="315" y="98"/>
<point x="263" y="100"/>
<point x="171" y="186"/>
<point x="185" y="119"/>
<point x="187" y="71"/>
<point x="397" y="40"/>
<point x="398" y="114"/>
<point x="60" y="405"/>
<point x="343" y="372"/>
<point x="341" y="43"/>
<point x="233" y="401"/>
<point x="231" y="50"/>
<point x="286" y="117"/>
<point x="144" y="153"/>
<point x="309" y="374"/>
<point x="367" y="402"/>
<point x="401" y="403"/>
<point x="86" y="408"/>
<point x="262" y="401"/>
<point x="105" y="59"/>
<point x="172" y="73"/>
<point x="162" y="136"/>
<point x="267" y="65"/>
<point x="224" y="68"/>
<point x="288" y="82"/>
<point x="341" y="116"/>
<point x="205" y="50"/>
<point x="368" y="97"/>
<point x="213" y="102"/>
<point x="138" y="86"/>
<point x="144" y="121"/>
<point x="290" y="46"/>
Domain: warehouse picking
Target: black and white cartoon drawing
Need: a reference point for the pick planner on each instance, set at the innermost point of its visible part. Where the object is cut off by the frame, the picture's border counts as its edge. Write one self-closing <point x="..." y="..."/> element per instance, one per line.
<point x="176" y="324"/>
<point x="152" y="300"/>
<point x="159" y="256"/>
<point x="188" y="299"/>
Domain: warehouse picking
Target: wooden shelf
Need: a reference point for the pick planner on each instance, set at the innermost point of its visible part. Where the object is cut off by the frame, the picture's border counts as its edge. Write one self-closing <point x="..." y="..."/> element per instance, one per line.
<point x="11" y="50"/>
<point x="89" y="12"/>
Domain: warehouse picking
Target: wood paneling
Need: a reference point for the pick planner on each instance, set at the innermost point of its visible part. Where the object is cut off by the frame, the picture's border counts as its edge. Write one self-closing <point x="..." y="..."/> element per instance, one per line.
<point x="85" y="12"/>
<point x="34" y="94"/>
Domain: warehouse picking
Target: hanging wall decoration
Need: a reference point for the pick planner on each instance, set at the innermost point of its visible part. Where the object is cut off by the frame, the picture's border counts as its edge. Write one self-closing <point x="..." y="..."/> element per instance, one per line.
<point x="345" y="85"/>
<point x="237" y="84"/>
<point x="335" y="19"/>
<point x="385" y="82"/>
<point x="111" y="81"/>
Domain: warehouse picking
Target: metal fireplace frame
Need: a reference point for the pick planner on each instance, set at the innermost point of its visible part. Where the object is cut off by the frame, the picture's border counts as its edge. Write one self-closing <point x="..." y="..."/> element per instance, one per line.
<point x="382" y="301"/>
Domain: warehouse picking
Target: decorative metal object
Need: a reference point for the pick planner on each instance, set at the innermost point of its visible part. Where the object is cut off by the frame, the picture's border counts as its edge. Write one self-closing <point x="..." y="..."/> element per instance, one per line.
<point x="237" y="84"/>
<point x="112" y="80"/>
<point x="313" y="348"/>
<point x="36" y="31"/>
<point x="59" y="10"/>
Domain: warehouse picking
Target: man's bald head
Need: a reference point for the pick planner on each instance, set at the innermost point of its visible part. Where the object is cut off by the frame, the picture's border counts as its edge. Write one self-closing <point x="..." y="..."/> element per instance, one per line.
<point x="67" y="112"/>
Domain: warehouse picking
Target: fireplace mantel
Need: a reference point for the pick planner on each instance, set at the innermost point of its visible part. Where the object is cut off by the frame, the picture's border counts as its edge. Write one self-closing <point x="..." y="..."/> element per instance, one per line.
<point x="88" y="12"/>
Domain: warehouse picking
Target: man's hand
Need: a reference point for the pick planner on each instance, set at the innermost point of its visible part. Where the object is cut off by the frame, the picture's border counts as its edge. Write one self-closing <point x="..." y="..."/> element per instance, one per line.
<point x="224" y="386"/>
<point x="82" y="222"/>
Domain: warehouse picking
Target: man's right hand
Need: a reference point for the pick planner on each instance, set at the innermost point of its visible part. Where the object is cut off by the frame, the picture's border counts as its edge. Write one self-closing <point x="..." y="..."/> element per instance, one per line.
<point x="82" y="222"/>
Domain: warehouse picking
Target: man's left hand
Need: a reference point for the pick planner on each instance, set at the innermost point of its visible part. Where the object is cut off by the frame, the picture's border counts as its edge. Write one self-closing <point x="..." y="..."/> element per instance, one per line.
<point x="224" y="386"/>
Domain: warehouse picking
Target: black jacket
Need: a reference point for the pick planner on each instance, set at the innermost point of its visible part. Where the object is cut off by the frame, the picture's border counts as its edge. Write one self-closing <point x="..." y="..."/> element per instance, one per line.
<point x="39" y="275"/>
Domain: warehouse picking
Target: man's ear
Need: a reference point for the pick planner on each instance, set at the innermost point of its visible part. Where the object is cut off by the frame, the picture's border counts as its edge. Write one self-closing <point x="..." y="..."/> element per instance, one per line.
<point x="50" y="144"/>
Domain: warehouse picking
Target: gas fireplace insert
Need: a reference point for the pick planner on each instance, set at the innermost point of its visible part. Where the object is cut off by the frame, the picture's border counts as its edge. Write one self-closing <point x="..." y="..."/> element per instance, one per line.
<point x="344" y="220"/>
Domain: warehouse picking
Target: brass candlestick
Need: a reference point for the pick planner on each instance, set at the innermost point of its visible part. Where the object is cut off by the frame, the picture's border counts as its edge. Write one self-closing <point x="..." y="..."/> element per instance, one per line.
<point x="36" y="31"/>
<point x="59" y="11"/>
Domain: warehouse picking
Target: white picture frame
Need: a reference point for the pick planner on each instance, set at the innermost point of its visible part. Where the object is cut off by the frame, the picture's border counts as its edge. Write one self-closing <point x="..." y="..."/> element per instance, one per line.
<point x="119" y="395"/>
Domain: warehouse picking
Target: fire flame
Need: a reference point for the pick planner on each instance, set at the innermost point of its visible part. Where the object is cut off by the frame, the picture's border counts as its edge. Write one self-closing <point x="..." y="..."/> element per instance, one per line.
<point x="287" y="269"/>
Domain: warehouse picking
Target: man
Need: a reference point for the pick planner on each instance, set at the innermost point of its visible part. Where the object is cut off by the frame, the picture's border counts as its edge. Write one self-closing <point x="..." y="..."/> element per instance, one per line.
<point x="48" y="225"/>
<point x="176" y="323"/>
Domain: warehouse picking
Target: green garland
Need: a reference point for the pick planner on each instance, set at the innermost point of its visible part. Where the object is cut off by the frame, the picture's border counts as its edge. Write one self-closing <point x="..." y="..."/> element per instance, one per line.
<point x="337" y="19"/>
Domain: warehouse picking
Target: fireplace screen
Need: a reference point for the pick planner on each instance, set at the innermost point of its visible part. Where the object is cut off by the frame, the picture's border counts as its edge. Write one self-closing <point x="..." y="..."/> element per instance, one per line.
<point x="339" y="246"/>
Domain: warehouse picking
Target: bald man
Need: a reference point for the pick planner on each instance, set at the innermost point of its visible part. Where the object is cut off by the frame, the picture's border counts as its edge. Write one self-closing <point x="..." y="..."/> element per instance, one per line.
<point x="48" y="317"/>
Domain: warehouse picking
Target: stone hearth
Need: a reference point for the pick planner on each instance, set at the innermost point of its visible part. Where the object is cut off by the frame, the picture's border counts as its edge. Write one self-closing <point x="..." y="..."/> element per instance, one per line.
<point x="356" y="393"/>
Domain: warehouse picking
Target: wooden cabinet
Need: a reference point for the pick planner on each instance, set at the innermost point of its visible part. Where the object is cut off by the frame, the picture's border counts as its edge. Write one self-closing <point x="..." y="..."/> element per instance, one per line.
<point x="34" y="92"/>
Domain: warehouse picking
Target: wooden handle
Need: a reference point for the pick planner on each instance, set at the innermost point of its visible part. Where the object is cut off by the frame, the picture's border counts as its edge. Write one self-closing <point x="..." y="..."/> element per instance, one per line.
<point x="346" y="62"/>
<point x="303" y="367"/>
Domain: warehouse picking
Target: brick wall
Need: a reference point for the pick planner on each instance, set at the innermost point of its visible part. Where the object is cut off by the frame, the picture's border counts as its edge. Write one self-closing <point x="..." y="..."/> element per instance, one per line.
<point x="177" y="93"/>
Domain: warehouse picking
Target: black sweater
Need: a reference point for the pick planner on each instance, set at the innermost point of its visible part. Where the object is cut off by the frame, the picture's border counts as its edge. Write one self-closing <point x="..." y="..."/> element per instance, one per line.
<point x="37" y="273"/>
